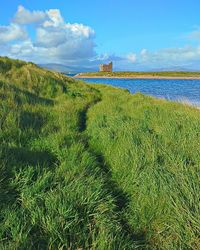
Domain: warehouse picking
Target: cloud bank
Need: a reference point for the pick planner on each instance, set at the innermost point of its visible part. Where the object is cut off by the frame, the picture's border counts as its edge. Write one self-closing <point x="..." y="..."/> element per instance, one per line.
<point x="55" y="40"/>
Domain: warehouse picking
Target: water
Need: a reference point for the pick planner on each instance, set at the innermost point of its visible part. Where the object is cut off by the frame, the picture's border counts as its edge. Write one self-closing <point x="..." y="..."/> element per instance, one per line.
<point x="71" y="74"/>
<point x="176" y="90"/>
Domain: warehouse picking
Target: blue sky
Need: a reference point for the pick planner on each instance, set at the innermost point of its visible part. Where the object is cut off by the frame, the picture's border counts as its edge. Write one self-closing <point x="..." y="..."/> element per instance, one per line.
<point x="136" y="35"/>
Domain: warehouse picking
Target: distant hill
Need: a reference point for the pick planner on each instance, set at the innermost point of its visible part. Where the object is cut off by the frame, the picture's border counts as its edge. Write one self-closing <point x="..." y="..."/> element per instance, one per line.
<point x="177" y="69"/>
<point x="67" y="69"/>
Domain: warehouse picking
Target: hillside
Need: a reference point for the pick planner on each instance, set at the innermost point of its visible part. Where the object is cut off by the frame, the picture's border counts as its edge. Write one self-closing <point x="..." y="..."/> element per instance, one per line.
<point x="94" y="167"/>
<point x="66" y="69"/>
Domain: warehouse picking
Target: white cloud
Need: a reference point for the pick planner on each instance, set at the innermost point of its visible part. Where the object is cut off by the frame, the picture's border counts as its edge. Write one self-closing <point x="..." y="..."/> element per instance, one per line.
<point x="55" y="18"/>
<point x="80" y="30"/>
<point x="11" y="33"/>
<point x="55" y="39"/>
<point x="68" y="52"/>
<point x="24" y="48"/>
<point x="170" y="55"/>
<point x="107" y="57"/>
<point x="24" y="16"/>
<point x="74" y="34"/>
<point x="49" y="38"/>
<point x="194" y="35"/>
<point x="143" y="52"/>
<point x="132" y="57"/>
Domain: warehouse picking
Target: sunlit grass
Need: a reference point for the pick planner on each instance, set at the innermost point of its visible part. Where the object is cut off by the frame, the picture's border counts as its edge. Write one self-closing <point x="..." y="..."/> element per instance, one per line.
<point x="143" y="74"/>
<point x="152" y="150"/>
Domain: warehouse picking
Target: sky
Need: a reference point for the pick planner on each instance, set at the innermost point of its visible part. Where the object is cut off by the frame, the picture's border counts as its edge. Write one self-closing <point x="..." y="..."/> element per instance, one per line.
<point x="135" y="34"/>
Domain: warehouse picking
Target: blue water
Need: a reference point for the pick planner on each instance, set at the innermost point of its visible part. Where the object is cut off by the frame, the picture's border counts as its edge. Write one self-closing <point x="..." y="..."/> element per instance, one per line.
<point x="71" y="74"/>
<point x="177" y="90"/>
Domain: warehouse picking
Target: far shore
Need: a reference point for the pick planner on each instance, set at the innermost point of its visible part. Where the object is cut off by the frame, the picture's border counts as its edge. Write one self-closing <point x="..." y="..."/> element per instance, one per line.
<point x="80" y="76"/>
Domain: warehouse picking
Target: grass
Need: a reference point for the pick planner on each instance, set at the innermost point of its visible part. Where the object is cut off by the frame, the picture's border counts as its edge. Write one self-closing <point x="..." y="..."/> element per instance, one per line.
<point x="152" y="150"/>
<point x="94" y="167"/>
<point x="142" y="74"/>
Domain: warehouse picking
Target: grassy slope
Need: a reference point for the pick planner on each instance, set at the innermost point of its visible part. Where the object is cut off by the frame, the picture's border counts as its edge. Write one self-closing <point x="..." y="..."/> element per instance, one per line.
<point x="152" y="149"/>
<point x="94" y="167"/>
<point x="145" y="74"/>
<point x="52" y="187"/>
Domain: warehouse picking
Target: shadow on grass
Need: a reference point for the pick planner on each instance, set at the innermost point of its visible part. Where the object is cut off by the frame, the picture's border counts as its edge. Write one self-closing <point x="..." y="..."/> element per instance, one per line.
<point x="121" y="198"/>
<point x="82" y="119"/>
<point x="31" y="120"/>
<point x="30" y="97"/>
<point x="25" y="156"/>
<point x="15" y="159"/>
<point x="82" y="116"/>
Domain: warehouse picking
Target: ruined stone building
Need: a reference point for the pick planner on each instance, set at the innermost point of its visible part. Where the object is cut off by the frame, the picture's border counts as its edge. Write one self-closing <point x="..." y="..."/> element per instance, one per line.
<point x="106" y="67"/>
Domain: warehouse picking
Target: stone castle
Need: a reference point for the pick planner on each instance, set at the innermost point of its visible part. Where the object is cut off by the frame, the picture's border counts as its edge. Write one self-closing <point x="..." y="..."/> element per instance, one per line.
<point x="106" y="67"/>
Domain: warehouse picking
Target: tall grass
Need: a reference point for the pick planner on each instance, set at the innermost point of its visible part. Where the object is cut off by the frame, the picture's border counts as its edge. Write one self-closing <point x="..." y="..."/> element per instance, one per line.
<point x="152" y="150"/>
<point x="94" y="167"/>
<point x="52" y="190"/>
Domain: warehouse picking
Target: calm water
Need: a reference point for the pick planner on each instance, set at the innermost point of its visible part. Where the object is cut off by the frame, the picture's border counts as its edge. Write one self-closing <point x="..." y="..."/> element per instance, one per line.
<point x="178" y="90"/>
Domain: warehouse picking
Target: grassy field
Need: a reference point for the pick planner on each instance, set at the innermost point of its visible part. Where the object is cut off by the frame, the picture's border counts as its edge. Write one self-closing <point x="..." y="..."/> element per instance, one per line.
<point x="142" y="74"/>
<point x="94" y="167"/>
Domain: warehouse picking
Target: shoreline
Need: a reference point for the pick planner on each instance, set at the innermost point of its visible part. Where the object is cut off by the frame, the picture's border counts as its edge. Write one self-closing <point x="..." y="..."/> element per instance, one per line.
<point x="139" y="77"/>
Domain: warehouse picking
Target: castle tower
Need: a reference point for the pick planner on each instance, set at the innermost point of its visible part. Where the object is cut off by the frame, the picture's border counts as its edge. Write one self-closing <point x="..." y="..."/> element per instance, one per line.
<point x="106" y="67"/>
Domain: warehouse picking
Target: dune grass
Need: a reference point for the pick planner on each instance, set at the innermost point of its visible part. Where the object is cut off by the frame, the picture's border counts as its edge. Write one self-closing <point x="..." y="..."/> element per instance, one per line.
<point x="94" y="167"/>
<point x="53" y="190"/>
<point x="152" y="150"/>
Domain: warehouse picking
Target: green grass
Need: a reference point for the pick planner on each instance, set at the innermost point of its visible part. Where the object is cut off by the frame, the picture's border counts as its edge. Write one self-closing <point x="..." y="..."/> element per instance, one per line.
<point x="142" y="74"/>
<point x="94" y="167"/>
<point x="152" y="150"/>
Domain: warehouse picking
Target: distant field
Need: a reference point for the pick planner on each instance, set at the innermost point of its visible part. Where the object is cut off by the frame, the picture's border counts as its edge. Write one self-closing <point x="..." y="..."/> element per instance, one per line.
<point x="141" y="74"/>
<point x="87" y="166"/>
